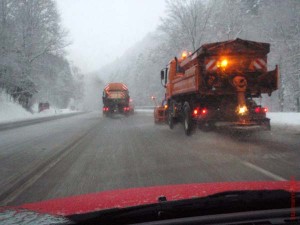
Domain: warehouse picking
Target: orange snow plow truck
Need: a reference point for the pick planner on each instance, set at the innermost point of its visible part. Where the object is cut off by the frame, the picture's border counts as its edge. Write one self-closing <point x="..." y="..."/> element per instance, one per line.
<point x="216" y="85"/>
<point x="115" y="99"/>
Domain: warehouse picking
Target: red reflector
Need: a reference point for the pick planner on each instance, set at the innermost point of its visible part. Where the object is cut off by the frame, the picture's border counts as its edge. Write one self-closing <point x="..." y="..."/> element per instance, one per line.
<point x="257" y="110"/>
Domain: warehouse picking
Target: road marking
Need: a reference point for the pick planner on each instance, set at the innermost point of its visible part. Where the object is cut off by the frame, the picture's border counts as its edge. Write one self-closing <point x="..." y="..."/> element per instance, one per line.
<point x="263" y="171"/>
<point x="22" y="184"/>
<point x="24" y="123"/>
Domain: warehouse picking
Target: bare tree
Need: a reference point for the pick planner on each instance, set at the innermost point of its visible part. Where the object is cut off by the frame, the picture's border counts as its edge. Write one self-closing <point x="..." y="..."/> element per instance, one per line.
<point x="184" y="23"/>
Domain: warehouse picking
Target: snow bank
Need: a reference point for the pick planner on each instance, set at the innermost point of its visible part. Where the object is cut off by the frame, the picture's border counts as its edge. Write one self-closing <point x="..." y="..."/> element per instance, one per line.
<point x="12" y="112"/>
<point x="285" y="118"/>
<point x="144" y="110"/>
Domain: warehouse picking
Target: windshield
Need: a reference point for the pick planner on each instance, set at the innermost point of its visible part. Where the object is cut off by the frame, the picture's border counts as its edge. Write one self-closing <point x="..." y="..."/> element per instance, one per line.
<point x="231" y="114"/>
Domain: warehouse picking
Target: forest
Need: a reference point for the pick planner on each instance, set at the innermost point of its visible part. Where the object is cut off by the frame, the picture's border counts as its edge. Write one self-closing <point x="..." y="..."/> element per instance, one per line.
<point x="33" y="64"/>
<point x="186" y="25"/>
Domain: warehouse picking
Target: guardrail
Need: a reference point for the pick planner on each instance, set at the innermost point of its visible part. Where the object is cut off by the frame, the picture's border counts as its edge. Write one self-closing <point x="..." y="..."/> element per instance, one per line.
<point x="22" y="123"/>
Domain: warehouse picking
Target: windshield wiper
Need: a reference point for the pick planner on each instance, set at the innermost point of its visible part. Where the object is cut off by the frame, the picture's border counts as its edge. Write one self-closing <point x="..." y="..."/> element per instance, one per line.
<point x="221" y="203"/>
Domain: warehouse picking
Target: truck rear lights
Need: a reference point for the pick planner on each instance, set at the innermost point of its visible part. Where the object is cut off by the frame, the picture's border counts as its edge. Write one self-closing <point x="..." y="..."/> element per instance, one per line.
<point x="261" y="110"/>
<point x="195" y="112"/>
<point x="199" y="111"/>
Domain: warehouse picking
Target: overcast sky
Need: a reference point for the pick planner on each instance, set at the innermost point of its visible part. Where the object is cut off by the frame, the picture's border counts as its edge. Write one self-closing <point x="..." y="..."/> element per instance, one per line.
<point x="101" y="30"/>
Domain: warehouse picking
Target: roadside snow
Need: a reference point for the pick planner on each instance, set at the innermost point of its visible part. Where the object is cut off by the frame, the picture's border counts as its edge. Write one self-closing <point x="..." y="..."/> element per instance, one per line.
<point x="12" y="112"/>
<point x="286" y="122"/>
<point x="284" y="118"/>
<point x="144" y="110"/>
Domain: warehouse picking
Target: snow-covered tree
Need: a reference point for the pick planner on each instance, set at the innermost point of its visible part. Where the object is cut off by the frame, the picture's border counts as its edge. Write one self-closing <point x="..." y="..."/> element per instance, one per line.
<point x="32" y="63"/>
<point x="187" y="24"/>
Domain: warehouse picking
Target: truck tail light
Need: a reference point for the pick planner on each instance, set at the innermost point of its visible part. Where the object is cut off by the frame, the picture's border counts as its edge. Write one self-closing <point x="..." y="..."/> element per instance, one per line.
<point x="261" y="110"/>
<point x="199" y="111"/>
<point x="195" y="112"/>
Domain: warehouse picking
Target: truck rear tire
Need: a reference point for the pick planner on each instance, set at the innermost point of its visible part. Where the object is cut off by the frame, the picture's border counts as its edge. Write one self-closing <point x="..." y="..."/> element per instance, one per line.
<point x="187" y="120"/>
<point x="170" y="120"/>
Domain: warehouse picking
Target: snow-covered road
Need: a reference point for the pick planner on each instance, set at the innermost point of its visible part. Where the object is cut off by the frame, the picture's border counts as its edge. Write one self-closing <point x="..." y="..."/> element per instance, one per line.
<point x="88" y="153"/>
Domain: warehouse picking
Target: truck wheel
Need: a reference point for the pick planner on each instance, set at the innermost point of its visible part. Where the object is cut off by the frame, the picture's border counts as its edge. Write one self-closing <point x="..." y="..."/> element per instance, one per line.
<point x="170" y="121"/>
<point x="187" y="120"/>
<point x="267" y="125"/>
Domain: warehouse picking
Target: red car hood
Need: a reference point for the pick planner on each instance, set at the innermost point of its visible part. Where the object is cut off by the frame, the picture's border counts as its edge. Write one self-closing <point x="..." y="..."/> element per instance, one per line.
<point x="140" y="196"/>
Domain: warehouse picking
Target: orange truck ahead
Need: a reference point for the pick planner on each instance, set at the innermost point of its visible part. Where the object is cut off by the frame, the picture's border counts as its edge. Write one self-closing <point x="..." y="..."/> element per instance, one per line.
<point x="217" y="84"/>
<point x="115" y="99"/>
